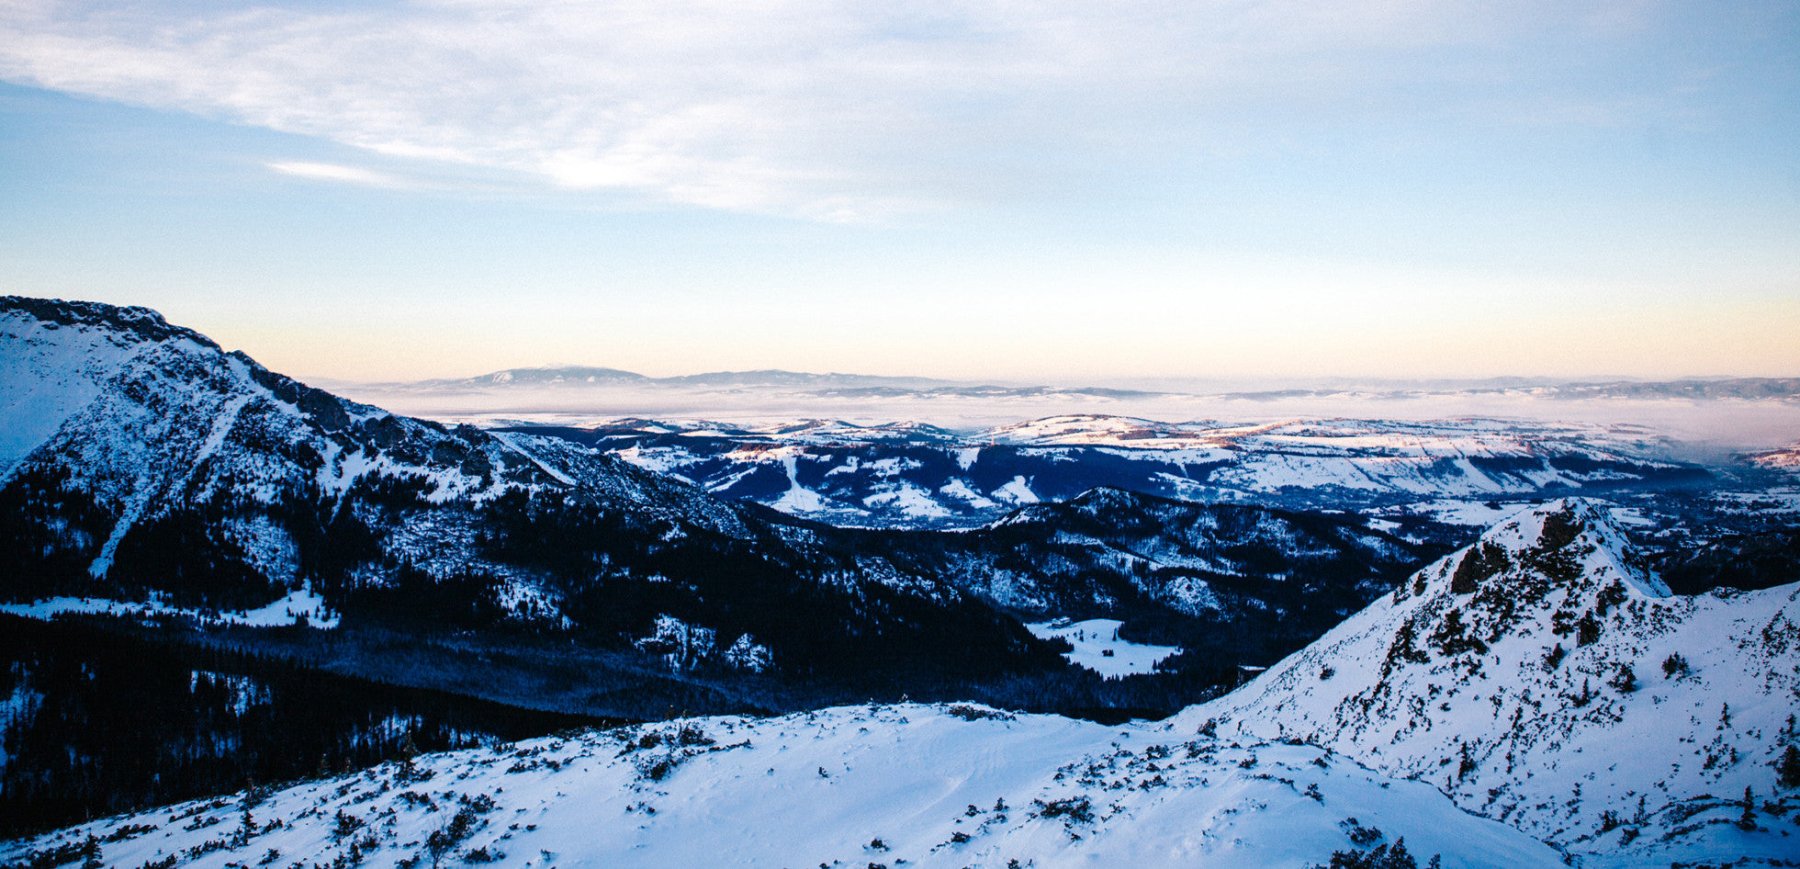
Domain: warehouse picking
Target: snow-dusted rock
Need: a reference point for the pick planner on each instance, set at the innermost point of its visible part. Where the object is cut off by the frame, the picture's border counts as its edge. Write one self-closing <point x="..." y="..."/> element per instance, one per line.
<point x="1540" y="678"/>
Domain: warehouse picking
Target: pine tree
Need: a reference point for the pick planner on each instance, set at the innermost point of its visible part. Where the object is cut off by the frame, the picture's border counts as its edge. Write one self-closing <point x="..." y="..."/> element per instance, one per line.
<point x="409" y="749"/>
<point x="1788" y="769"/>
<point x="1748" y="821"/>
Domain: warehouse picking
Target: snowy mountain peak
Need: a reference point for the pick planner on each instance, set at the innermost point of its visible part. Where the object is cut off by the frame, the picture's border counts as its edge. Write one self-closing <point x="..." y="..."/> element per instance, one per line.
<point x="1569" y="544"/>
<point x="1510" y="673"/>
<point x="132" y="323"/>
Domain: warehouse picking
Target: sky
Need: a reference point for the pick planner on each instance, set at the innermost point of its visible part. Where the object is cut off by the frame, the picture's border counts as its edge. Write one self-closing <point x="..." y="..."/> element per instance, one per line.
<point x="1046" y="191"/>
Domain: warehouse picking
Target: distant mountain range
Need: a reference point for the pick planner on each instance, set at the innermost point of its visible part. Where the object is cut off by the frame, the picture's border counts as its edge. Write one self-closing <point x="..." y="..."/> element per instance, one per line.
<point x="915" y="475"/>
<point x="577" y="377"/>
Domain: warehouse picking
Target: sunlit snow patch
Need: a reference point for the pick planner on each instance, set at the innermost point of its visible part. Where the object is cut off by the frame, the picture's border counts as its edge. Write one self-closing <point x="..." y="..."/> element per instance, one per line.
<point x="1098" y="647"/>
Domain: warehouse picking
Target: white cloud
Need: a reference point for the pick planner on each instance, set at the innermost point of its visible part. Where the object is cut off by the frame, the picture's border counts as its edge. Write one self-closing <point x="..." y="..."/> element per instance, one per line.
<point x="336" y="172"/>
<point x="809" y="107"/>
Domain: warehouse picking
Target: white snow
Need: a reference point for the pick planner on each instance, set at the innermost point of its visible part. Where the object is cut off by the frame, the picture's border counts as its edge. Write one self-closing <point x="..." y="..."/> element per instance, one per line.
<point x="909" y="500"/>
<point x="797" y="499"/>
<point x="932" y="786"/>
<point x="1098" y="647"/>
<point x="960" y="490"/>
<point x="1016" y="491"/>
<point x="1539" y="724"/>
<point x="301" y="606"/>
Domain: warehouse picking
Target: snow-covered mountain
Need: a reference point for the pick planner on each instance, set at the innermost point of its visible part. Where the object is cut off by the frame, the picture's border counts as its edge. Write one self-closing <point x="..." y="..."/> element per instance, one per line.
<point x="140" y="462"/>
<point x="906" y="785"/>
<point x="1532" y="700"/>
<point x="911" y="475"/>
<point x="1540" y="677"/>
<point x="149" y="474"/>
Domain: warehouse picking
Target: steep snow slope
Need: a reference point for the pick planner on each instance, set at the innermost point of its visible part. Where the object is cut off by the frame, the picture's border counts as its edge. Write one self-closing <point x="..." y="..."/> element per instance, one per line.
<point x="146" y="418"/>
<point x="890" y="786"/>
<point x="1538" y="677"/>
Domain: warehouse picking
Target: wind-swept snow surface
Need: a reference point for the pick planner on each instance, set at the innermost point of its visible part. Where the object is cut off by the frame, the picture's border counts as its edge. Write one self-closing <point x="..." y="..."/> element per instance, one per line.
<point x="901" y="785"/>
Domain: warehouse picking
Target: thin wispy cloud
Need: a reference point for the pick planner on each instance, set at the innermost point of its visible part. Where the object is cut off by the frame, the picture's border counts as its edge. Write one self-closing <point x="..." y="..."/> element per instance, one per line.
<point x="822" y="109"/>
<point x="338" y="173"/>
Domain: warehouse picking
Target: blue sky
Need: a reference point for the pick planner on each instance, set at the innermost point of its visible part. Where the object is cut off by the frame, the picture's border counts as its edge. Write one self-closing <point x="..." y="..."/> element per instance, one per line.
<point x="1044" y="191"/>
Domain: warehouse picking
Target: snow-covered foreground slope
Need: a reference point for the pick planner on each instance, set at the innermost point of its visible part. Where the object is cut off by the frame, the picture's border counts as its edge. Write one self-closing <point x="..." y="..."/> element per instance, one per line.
<point x="900" y="785"/>
<point x="1539" y="678"/>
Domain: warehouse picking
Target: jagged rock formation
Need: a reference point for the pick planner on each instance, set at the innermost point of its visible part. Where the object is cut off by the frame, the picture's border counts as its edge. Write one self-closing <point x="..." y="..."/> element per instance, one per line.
<point x="1540" y="677"/>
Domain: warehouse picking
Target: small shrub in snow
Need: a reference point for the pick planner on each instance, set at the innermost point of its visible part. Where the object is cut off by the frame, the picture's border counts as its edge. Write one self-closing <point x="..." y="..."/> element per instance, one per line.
<point x="128" y="831"/>
<point x="1393" y="856"/>
<point x="1076" y="809"/>
<point x="976" y="713"/>
<point x="1624" y="681"/>
<point x="1360" y="835"/>
<point x="446" y="838"/>
<point x="346" y="824"/>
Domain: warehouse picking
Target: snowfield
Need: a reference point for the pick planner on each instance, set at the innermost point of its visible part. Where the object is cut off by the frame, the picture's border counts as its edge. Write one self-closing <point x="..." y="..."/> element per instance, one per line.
<point x="1098" y="647"/>
<point x="298" y="607"/>
<point x="853" y="786"/>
